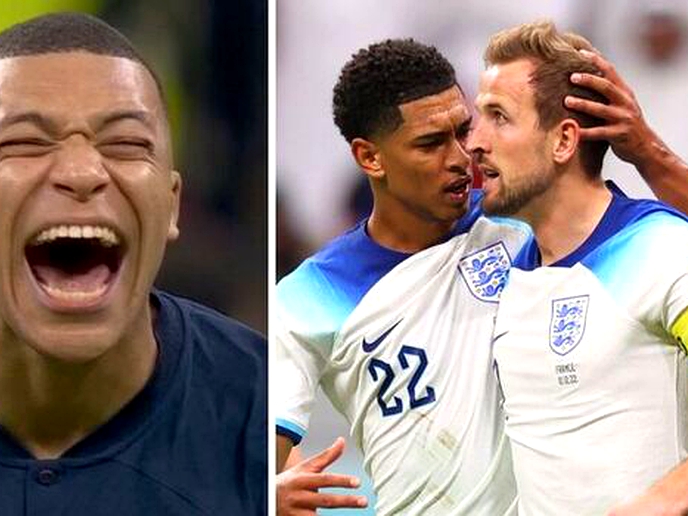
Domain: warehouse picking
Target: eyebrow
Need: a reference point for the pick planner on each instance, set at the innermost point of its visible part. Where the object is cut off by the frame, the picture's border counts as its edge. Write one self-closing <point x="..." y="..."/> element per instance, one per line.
<point x="490" y="104"/>
<point x="32" y="117"/>
<point x="50" y="126"/>
<point x="430" y="136"/>
<point x="141" y="116"/>
<point x="440" y="134"/>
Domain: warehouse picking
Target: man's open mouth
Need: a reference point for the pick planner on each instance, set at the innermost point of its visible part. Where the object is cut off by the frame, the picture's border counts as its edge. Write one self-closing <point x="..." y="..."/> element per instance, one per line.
<point x="459" y="187"/>
<point x="75" y="263"/>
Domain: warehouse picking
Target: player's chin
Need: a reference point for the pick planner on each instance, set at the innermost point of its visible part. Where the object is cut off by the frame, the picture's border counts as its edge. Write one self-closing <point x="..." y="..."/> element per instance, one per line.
<point x="64" y="338"/>
<point x="455" y="210"/>
<point x="69" y="342"/>
<point x="500" y="207"/>
<point x="70" y="327"/>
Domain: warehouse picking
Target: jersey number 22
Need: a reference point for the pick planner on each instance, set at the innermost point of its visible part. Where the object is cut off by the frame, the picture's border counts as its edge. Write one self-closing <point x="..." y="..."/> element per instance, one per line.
<point x="382" y="371"/>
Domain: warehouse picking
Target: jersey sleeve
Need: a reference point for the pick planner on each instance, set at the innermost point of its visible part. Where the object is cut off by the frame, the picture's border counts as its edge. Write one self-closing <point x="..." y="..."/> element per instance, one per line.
<point x="676" y="310"/>
<point x="646" y="269"/>
<point x="664" y="278"/>
<point x="298" y="368"/>
<point x="309" y="313"/>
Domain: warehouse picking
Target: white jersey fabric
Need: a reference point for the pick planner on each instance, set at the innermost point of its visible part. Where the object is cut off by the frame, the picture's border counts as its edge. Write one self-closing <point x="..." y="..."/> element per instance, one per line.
<point x="401" y="346"/>
<point x="591" y="365"/>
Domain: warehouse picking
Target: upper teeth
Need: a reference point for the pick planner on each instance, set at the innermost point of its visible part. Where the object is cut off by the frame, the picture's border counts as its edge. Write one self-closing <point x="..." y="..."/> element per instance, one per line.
<point x="106" y="236"/>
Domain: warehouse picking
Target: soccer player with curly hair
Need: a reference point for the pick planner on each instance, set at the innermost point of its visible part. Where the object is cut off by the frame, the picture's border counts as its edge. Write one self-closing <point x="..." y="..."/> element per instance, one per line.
<point x="394" y="318"/>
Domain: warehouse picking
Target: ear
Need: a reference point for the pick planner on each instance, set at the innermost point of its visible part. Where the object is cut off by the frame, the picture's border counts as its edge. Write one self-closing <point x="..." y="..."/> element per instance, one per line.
<point x="367" y="155"/>
<point x="566" y="139"/>
<point x="175" y="192"/>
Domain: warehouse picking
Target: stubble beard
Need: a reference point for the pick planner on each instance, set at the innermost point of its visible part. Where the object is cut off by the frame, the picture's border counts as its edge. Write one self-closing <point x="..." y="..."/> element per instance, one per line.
<point x="509" y="200"/>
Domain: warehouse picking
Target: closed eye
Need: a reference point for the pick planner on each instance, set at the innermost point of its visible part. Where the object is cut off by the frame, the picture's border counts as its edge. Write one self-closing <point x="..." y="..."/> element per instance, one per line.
<point x="464" y="130"/>
<point x="126" y="149"/>
<point x="25" y="147"/>
<point x="430" y="144"/>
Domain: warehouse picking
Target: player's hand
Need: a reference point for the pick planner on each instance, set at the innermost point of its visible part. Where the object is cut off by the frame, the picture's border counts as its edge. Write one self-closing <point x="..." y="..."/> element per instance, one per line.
<point x="625" y="128"/>
<point x="297" y="487"/>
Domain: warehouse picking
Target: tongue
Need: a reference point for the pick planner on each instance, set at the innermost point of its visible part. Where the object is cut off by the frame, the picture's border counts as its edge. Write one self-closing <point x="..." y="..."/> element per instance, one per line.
<point x="83" y="281"/>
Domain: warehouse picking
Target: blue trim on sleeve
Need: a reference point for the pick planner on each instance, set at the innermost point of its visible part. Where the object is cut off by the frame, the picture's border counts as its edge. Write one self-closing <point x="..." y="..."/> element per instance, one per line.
<point x="290" y="430"/>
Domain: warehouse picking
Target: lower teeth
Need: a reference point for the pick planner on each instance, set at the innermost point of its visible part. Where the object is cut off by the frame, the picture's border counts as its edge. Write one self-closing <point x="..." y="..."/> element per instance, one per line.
<point x="74" y="295"/>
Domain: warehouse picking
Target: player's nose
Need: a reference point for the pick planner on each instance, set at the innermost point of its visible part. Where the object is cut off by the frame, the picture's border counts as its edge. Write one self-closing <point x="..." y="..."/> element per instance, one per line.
<point x="458" y="158"/>
<point x="477" y="141"/>
<point x="78" y="170"/>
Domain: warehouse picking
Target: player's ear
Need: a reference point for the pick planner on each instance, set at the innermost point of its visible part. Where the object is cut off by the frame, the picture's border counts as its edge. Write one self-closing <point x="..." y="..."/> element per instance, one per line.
<point x="367" y="155"/>
<point x="566" y="140"/>
<point x="175" y="192"/>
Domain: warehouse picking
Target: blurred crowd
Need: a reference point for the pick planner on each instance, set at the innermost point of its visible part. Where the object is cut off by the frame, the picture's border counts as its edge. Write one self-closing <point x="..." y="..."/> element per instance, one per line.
<point x="212" y="58"/>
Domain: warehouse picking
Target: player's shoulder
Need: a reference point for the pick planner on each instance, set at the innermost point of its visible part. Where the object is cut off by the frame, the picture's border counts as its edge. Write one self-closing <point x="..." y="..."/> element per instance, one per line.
<point x="224" y="341"/>
<point x="647" y="228"/>
<point x="653" y="215"/>
<point x="648" y="242"/>
<point x="332" y="281"/>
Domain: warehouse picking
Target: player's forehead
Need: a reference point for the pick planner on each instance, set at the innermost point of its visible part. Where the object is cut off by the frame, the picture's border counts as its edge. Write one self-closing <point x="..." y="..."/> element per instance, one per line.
<point x="506" y="85"/>
<point x="61" y="82"/>
<point x="447" y="109"/>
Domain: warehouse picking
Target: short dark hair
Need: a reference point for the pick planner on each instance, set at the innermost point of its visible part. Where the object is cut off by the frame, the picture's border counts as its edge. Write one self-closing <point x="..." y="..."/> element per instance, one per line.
<point x="379" y="78"/>
<point x="69" y="32"/>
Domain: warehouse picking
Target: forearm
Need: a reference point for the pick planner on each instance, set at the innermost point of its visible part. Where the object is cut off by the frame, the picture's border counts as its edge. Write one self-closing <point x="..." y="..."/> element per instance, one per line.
<point x="673" y="489"/>
<point x="283" y="448"/>
<point x="664" y="172"/>
<point x="668" y="497"/>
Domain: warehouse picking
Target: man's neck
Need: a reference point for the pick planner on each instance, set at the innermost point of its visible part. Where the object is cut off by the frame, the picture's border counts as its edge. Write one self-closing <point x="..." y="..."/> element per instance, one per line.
<point x="48" y="406"/>
<point x="566" y="215"/>
<point x="406" y="233"/>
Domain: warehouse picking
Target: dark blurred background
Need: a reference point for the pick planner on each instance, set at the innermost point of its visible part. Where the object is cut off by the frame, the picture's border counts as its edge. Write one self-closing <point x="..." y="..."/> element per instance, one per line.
<point x="211" y="56"/>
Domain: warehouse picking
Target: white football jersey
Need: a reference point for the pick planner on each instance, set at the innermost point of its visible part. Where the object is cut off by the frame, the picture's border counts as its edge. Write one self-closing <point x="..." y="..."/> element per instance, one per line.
<point x="401" y="346"/>
<point x="592" y="366"/>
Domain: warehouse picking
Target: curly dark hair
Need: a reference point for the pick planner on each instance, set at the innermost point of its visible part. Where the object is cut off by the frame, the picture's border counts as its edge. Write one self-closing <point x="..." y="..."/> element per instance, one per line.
<point x="382" y="76"/>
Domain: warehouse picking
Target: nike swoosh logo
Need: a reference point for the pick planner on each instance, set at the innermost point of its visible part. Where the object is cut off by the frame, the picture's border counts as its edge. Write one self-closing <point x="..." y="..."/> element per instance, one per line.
<point x="370" y="346"/>
<point x="495" y="338"/>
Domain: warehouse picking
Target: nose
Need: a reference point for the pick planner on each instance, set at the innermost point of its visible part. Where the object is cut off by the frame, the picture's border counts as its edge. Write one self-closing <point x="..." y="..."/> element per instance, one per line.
<point x="458" y="158"/>
<point x="78" y="171"/>
<point x="478" y="142"/>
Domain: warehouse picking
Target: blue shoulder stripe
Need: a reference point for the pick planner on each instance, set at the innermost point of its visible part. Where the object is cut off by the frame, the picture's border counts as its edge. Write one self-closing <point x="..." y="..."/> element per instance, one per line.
<point x="621" y="213"/>
<point x="640" y="246"/>
<point x="325" y="288"/>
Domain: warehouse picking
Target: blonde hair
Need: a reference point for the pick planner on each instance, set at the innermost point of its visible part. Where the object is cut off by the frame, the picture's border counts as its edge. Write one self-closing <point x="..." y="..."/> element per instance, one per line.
<point x="555" y="57"/>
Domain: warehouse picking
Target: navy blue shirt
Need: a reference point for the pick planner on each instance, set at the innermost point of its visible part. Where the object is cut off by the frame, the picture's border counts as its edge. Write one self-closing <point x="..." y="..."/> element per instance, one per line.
<point x="191" y="443"/>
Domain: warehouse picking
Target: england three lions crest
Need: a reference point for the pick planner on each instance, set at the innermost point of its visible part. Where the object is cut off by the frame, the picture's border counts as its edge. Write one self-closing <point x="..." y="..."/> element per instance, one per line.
<point x="567" y="324"/>
<point x="485" y="271"/>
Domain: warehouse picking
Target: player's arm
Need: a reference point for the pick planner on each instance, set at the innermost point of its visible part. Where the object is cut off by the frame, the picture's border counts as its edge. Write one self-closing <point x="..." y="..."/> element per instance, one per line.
<point x="284" y="447"/>
<point x="631" y="138"/>
<point x="667" y="497"/>
<point x="297" y="486"/>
